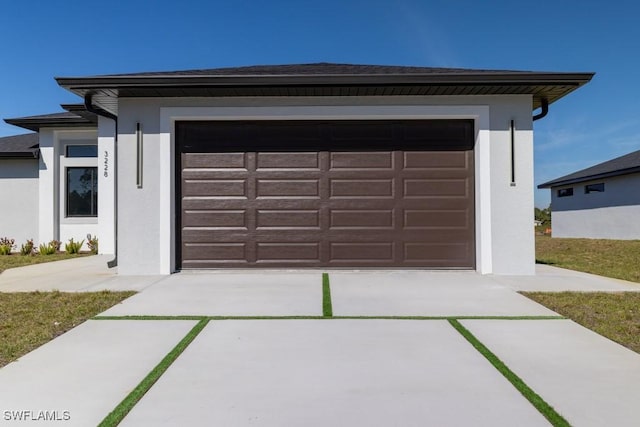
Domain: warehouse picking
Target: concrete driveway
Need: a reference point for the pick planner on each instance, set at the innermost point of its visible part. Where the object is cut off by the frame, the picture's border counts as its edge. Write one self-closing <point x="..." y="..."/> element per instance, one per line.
<point x="388" y="348"/>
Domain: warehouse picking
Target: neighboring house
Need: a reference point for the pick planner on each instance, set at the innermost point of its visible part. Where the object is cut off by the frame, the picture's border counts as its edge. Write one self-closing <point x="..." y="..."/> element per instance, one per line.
<point x="600" y="202"/>
<point x="312" y="165"/>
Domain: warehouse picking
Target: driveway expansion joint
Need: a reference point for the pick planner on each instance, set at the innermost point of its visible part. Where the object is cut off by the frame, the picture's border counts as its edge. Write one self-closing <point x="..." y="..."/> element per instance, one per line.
<point x="190" y="317"/>
<point x="535" y="399"/>
<point x="120" y="412"/>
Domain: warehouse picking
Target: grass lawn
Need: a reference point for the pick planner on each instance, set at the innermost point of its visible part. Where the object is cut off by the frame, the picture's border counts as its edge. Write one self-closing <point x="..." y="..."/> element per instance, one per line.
<point x="28" y="320"/>
<point x="613" y="315"/>
<point x="17" y="260"/>
<point x="619" y="259"/>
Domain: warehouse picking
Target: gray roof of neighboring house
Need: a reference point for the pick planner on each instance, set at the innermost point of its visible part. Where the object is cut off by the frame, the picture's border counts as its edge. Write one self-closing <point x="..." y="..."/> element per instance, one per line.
<point x="324" y="79"/>
<point x="73" y="118"/>
<point x="623" y="165"/>
<point x="19" y="146"/>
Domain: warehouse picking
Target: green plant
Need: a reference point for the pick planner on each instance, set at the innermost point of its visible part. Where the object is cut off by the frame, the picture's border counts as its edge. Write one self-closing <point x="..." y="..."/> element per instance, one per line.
<point x="92" y="242"/>
<point x="27" y="248"/>
<point x="73" y="247"/>
<point x="46" y="249"/>
<point x="6" y="245"/>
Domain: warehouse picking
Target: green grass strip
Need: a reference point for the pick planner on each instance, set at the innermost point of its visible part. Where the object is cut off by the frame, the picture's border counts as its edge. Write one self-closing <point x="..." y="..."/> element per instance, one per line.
<point x="190" y="317"/>
<point x="117" y="415"/>
<point x="538" y="402"/>
<point x="148" y="317"/>
<point x="327" y="309"/>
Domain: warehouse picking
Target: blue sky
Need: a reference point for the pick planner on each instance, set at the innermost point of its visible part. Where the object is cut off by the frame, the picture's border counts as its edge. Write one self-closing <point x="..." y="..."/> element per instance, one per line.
<point x="43" y="39"/>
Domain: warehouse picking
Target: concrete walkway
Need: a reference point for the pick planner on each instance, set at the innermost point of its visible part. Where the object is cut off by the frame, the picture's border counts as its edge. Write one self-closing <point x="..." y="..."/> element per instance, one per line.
<point x="310" y="370"/>
<point x="84" y="274"/>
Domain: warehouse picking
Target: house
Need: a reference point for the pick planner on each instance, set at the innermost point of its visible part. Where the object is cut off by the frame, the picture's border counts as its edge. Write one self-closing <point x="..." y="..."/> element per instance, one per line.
<point x="294" y="166"/>
<point x="599" y="202"/>
<point x="19" y="187"/>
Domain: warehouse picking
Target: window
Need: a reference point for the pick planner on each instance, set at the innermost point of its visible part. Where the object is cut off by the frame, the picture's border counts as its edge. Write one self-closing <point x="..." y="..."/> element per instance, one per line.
<point x="82" y="151"/>
<point x="82" y="192"/>
<point x="594" y="188"/>
<point x="565" y="192"/>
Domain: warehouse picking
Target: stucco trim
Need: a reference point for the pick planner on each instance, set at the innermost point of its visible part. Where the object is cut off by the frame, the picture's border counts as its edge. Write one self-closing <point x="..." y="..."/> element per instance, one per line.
<point x="480" y="114"/>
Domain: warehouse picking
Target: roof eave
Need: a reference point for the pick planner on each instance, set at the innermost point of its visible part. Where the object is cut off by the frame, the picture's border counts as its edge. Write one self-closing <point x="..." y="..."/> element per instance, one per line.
<point x="20" y="155"/>
<point x="526" y="78"/>
<point x="560" y="183"/>
<point x="36" y="124"/>
<point x="107" y="89"/>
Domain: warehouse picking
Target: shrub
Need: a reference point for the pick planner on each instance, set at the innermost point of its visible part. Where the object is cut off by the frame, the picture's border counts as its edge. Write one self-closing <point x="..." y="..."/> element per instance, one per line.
<point x="92" y="242"/>
<point x="73" y="247"/>
<point x="55" y="244"/>
<point x="46" y="249"/>
<point x="27" y="248"/>
<point x="6" y="245"/>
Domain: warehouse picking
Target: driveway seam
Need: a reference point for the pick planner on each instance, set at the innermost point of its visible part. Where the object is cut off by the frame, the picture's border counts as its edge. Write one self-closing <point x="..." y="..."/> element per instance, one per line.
<point x="535" y="399"/>
<point x="116" y="416"/>
<point x="327" y="309"/>
<point x="129" y="402"/>
<point x="191" y="317"/>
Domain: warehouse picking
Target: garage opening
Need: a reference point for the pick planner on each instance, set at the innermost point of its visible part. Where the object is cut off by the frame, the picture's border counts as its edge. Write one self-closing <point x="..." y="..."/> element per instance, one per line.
<point x="290" y="194"/>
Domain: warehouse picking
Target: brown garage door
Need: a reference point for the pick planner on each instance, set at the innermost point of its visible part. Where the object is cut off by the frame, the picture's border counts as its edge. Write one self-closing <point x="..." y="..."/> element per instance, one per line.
<point x="325" y="194"/>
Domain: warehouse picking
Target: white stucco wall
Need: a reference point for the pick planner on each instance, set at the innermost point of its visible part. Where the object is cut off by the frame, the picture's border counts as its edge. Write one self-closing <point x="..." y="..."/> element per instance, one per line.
<point x="146" y="216"/>
<point x="52" y="220"/>
<point x="106" y="186"/>
<point x="19" y="195"/>
<point x="48" y="188"/>
<point x="612" y="214"/>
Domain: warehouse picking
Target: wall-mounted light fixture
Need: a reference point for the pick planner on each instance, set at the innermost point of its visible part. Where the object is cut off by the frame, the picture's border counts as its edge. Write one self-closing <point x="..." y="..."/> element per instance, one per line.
<point x="139" y="152"/>
<point x="513" y="153"/>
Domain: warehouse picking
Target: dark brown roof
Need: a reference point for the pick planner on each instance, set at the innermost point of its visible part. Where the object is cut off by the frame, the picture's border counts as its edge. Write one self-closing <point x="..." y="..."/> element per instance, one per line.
<point x="623" y="165"/>
<point x="64" y="119"/>
<point x="19" y="146"/>
<point x="320" y="68"/>
<point x="324" y="79"/>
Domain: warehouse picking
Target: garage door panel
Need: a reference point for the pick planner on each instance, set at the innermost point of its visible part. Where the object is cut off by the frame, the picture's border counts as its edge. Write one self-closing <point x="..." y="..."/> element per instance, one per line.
<point x="235" y="203"/>
<point x="287" y="218"/>
<point x="436" y="252"/>
<point x="215" y="160"/>
<point x="426" y="219"/>
<point x="375" y="160"/>
<point x="430" y="160"/>
<point x="312" y="194"/>
<point x="435" y="172"/>
<point x="288" y="188"/>
<point x="214" y="174"/>
<point x="215" y="218"/>
<point x="301" y="160"/>
<point x="371" y="252"/>
<point x="429" y="188"/>
<point x="441" y="203"/>
<point x="361" y="188"/>
<point x="288" y="251"/>
<point x="341" y="219"/>
<point x="214" y="203"/>
<point x="215" y="187"/>
<point x="233" y="251"/>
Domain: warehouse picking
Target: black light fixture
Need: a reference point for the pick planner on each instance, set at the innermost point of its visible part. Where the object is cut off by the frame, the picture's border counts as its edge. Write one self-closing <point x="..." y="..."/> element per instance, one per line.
<point x="139" y="152"/>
